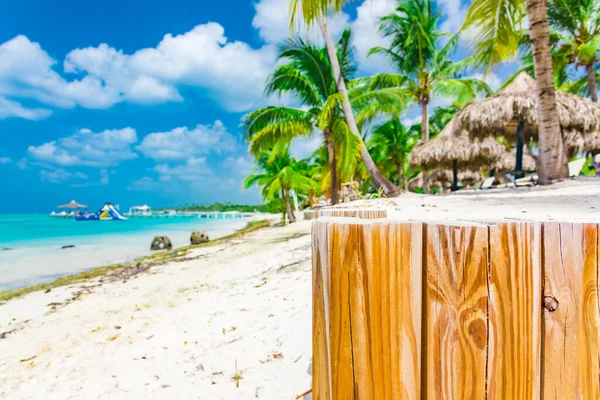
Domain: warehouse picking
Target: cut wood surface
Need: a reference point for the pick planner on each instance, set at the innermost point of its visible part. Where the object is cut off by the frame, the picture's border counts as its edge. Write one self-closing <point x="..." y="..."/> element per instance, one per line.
<point x="571" y="317"/>
<point x="409" y="310"/>
<point x="515" y="312"/>
<point x="456" y="308"/>
<point x="371" y="319"/>
<point x="366" y="213"/>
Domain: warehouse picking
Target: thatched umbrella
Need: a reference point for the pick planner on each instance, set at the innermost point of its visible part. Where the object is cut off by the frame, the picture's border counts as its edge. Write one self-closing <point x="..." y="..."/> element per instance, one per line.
<point x="576" y="142"/>
<point x="450" y="151"/>
<point x="444" y="178"/>
<point x="506" y="162"/>
<point x="73" y="205"/>
<point x="513" y="113"/>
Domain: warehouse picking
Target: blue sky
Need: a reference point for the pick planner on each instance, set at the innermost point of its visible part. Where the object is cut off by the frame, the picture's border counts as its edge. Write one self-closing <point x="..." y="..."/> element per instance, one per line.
<point x="137" y="101"/>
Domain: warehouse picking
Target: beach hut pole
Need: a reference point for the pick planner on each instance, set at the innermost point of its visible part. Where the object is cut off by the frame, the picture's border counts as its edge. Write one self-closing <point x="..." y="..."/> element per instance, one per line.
<point x="520" y="142"/>
<point x="454" y="175"/>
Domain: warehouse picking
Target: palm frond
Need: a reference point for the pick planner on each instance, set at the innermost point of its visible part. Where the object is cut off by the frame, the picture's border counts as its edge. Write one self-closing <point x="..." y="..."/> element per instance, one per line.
<point x="496" y="25"/>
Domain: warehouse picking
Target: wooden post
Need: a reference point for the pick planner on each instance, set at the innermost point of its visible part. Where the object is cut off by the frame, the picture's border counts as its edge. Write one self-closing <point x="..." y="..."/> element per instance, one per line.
<point x="454" y="175"/>
<point x="515" y="312"/>
<point x="571" y="317"/>
<point x="362" y="213"/>
<point x="456" y="309"/>
<point x="520" y="142"/>
<point x="406" y="310"/>
<point x="367" y="310"/>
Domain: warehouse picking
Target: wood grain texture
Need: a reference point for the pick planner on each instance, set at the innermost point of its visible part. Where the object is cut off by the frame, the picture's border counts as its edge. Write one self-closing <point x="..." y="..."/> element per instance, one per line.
<point x="362" y="213"/>
<point x="456" y="307"/>
<point x="367" y="284"/>
<point x="571" y="348"/>
<point x="515" y="312"/>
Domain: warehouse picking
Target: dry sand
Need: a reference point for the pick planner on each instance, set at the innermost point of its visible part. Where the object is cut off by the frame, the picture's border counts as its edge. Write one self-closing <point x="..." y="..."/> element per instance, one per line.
<point x="178" y="331"/>
<point x="174" y="333"/>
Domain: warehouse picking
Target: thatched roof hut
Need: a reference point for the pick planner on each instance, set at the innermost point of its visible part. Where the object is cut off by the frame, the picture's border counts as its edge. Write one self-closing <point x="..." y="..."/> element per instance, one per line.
<point x="446" y="147"/>
<point x="442" y="178"/>
<point x="500" y="114"/>
<point x="73" y="205"/>
<point x="507" y="162"/>
<point x="576" y="142"/>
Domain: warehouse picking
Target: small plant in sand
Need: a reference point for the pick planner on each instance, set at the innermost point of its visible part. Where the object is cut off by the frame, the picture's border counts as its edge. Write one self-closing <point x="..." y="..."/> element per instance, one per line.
<point x="237" y="376"/>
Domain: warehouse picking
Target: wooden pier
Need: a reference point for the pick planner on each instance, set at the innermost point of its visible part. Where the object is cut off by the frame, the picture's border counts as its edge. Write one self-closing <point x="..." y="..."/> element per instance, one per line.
<point x="418" y="310"/>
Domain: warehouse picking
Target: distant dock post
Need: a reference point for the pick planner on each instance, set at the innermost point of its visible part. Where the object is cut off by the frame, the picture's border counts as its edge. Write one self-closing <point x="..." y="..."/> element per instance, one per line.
<point x="419" y="310"/>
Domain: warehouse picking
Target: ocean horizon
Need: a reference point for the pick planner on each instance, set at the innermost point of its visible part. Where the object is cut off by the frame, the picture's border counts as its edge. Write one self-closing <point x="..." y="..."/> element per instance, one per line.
<point x="31" y="245"/>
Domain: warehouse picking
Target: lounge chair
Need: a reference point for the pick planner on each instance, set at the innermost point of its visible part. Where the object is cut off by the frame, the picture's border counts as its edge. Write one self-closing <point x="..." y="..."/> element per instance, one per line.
<point x="576" y="166"/>
<point x="488" y="183"/>
<point x="529" y="180"/>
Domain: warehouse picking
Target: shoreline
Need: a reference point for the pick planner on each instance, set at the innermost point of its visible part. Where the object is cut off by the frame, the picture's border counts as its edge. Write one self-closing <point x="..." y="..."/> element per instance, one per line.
<point x="142" y="263"/>
<point x="227" y="320"/>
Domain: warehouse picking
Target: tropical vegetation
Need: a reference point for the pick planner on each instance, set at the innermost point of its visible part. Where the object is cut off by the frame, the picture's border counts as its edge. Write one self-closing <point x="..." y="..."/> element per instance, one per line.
<point x="366" y="138"/>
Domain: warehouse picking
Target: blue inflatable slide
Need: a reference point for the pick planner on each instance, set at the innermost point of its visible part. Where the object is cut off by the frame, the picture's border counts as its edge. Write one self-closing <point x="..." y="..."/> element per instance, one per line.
<point x="108" y="212"/>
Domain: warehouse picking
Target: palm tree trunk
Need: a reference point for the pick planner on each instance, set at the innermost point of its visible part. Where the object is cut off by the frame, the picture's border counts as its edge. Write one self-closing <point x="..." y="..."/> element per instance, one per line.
<point x="424" y="121"/>
<point x="401" y="174"/>
<point x="288" y="207"/>
<point x="283" y="206"/>
<point x="592" y="84"/>
<point x="332" y="165"/>
<point x="379" y="180"/>
<point x="553" y="157"/>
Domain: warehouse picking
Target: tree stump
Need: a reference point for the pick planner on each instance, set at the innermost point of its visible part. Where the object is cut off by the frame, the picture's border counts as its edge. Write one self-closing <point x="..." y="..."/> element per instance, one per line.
<point x="425" y="310"/>
<point x="161" y="243"/>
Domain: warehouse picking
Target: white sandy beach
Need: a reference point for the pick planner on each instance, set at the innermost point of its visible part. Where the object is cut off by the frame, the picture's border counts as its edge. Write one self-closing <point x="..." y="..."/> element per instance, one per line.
<point x="178" y="331"/>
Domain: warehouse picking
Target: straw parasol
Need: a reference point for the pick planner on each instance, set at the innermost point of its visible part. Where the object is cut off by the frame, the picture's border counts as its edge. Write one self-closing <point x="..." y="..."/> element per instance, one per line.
<point x="73" y="204"/>
<point x="443" y="150"/>
<point x="517" y="102"/>
<point x="576" y="142"/>
<point x="507" y="163"/>
<point x="443" y="178"/>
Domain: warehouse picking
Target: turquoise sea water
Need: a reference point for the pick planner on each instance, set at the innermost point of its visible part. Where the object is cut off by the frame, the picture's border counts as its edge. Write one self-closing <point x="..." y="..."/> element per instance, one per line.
<point x="31" y="244"/>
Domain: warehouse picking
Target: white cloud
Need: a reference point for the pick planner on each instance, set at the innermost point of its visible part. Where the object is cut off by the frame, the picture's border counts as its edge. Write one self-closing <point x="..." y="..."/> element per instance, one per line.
<point x="26" y="71"/>
<point x="9" y="108"/>
<point x="232" y="72"/>
<point x="183" y="143"/>
<point x="143" y="184"/>
<point x="5" y="160"/>
<point x="239" y="165"/>
<point x="60" y="175"/>
<point x="195" y="169"/>
<point x="85" y="148"/>
<point x="454" y="13"/>
<point x="104" y="176"/>
<point x="304" y="146"/>
<point x="365" y="29"/>
<point x="272" y="20"/>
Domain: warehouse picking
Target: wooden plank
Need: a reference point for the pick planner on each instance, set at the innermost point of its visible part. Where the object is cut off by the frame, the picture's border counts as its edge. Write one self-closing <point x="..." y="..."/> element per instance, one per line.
<point x="321" y="294"/>
<point x="571" y="317"/>
<point x="362" y="213"/>
<point x="515" y="312"/>
<point x="456" y="306"/>
<point x="369" y="290"/>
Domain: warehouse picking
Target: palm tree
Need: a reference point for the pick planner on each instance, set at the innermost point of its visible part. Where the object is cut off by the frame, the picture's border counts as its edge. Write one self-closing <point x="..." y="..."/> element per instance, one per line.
<point x="307" y="75"/>
<point x="497" y="25"/>
<point x="578" y="22"/>
<point x="562" y="58"/>
<point x="278" y="174"/>
<point x="317" y="11"/>
<point x="391" y="144"/>
<point x="423" y="68"/>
